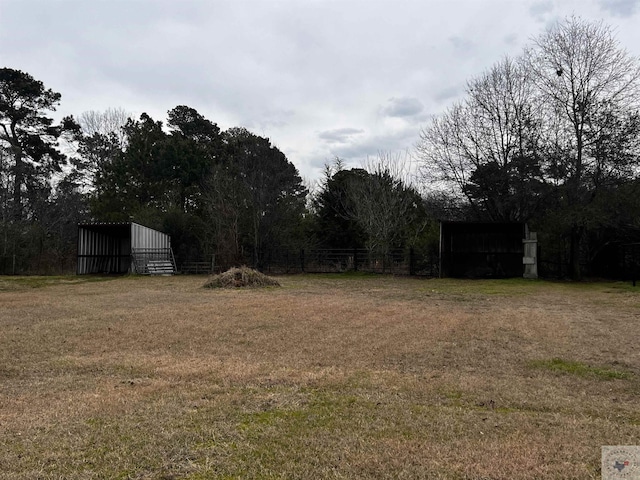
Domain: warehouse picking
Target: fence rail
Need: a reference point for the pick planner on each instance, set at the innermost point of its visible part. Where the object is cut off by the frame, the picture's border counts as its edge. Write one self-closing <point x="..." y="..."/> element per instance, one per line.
<point x="37" y="265"/>
<point x="141" y="258"/>
<point x="399" y="262"/>
<point x="197" y="268"/>
<point x="622" y="263"/>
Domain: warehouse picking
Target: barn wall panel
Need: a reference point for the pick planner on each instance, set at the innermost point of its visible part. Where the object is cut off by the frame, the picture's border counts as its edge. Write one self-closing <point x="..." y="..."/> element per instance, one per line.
<point x="144" y="237"/>
<point x="107" y="248"/>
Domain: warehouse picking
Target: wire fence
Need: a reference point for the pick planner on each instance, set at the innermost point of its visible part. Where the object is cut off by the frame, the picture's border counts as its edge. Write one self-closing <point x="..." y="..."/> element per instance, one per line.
<point x="622" y="263"/>
<point x="397" y="262"/>
<point x="37" y="265"/>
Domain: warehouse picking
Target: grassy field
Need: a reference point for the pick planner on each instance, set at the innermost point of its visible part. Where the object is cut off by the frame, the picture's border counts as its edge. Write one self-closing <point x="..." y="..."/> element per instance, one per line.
<point x="325" y="377"/>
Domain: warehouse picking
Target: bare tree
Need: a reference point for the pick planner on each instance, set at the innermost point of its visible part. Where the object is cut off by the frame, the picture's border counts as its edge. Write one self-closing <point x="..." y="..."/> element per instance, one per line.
<point x="585" y="79"/>
<point x="483" y="147"/>
<point x="102" y="138"/>
<point x="222" y="210"/>
<point x="106" y="123"/>
<point x="445" y="152"/>
<point x="384" y="203"/>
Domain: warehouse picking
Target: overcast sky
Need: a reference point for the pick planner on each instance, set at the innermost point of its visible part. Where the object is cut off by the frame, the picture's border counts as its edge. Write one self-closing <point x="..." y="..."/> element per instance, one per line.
<point x="320" y="78"/>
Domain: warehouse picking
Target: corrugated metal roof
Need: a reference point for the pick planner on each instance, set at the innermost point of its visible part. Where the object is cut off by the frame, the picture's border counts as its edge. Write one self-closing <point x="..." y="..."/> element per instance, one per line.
<point x="90" y="224"/>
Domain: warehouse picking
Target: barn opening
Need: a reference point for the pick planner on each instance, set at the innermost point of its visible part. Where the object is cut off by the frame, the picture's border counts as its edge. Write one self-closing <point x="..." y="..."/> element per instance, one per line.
<point x="487" y="250"/>
<point x="120" y="248"/>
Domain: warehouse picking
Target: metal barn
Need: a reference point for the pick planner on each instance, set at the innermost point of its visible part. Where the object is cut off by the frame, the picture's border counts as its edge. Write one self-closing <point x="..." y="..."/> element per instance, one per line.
<point x="123" y="248"/>
<point x="487" y="250"/>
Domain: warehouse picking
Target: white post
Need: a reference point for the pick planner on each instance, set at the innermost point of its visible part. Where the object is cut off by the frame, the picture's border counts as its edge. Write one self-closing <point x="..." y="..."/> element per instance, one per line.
<point x="530" y="259"/>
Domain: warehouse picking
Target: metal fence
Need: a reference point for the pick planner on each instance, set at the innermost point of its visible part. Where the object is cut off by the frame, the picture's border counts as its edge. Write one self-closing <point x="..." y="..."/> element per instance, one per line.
<point x="142" y="257"/>
<point x="37" y="265"/>
<point x="398" y="262"/>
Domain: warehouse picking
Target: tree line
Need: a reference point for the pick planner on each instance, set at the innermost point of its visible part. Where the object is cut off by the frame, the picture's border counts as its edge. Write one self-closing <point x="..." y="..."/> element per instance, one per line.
<point x="229" y="195"/>
<point x="550" y="138"/>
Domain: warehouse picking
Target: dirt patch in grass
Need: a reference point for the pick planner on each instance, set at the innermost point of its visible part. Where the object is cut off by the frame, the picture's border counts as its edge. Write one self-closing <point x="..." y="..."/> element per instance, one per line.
<point x="326" y="377"/>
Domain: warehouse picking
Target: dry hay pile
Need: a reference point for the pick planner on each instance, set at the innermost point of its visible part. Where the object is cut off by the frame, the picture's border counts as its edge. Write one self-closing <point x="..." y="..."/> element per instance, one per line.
<point x="241" y="277"/>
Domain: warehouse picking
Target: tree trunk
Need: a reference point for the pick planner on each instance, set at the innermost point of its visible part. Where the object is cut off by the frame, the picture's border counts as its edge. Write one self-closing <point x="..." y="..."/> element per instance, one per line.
<point x="256" y="243"/>
<point x="18" y="179"/>
<point x="574" y="255"/>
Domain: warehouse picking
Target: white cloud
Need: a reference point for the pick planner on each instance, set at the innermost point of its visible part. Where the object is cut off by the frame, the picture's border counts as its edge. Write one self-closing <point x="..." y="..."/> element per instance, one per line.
<point x="402" y="107"/>
<point x="541" y="10"/>
<point x="620" y="8"/>
<point x="339" y="135"/>
<point x="318" y="77"/>
<point x="462" y="45"/>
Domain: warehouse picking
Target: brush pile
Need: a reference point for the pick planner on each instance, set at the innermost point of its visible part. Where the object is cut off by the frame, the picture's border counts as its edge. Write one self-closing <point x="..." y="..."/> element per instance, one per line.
<point x="241" y="277"/>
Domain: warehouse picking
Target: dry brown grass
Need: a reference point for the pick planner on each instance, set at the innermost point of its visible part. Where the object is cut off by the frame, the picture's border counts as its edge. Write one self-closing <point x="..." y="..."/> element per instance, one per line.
<point x="327" y="377"/>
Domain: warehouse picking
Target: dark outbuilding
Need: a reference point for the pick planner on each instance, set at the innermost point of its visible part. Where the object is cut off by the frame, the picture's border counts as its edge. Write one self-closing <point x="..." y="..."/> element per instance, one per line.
<point x="486" y="250"/>
<point x="122" y="248"/>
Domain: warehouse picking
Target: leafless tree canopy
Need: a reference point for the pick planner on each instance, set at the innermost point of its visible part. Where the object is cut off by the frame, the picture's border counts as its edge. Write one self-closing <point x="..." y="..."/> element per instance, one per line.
<point x="379" y="198"/>
<point x="105" y="123"/>
<point x="564" y="115"/>
<point x="579" y="64"/>
<point x="495" y="124"/>
<point x="554" y="97"/>
<point x="581" y="73"/>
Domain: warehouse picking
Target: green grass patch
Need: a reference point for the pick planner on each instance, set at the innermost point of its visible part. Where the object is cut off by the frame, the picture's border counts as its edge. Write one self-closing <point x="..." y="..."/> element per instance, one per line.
<point x="623" y="287"/>
<point x="505" y="286"/>
<point x="517" y="287"/>
<point x="39" y="281"/>
<point x="580" y="369"/>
